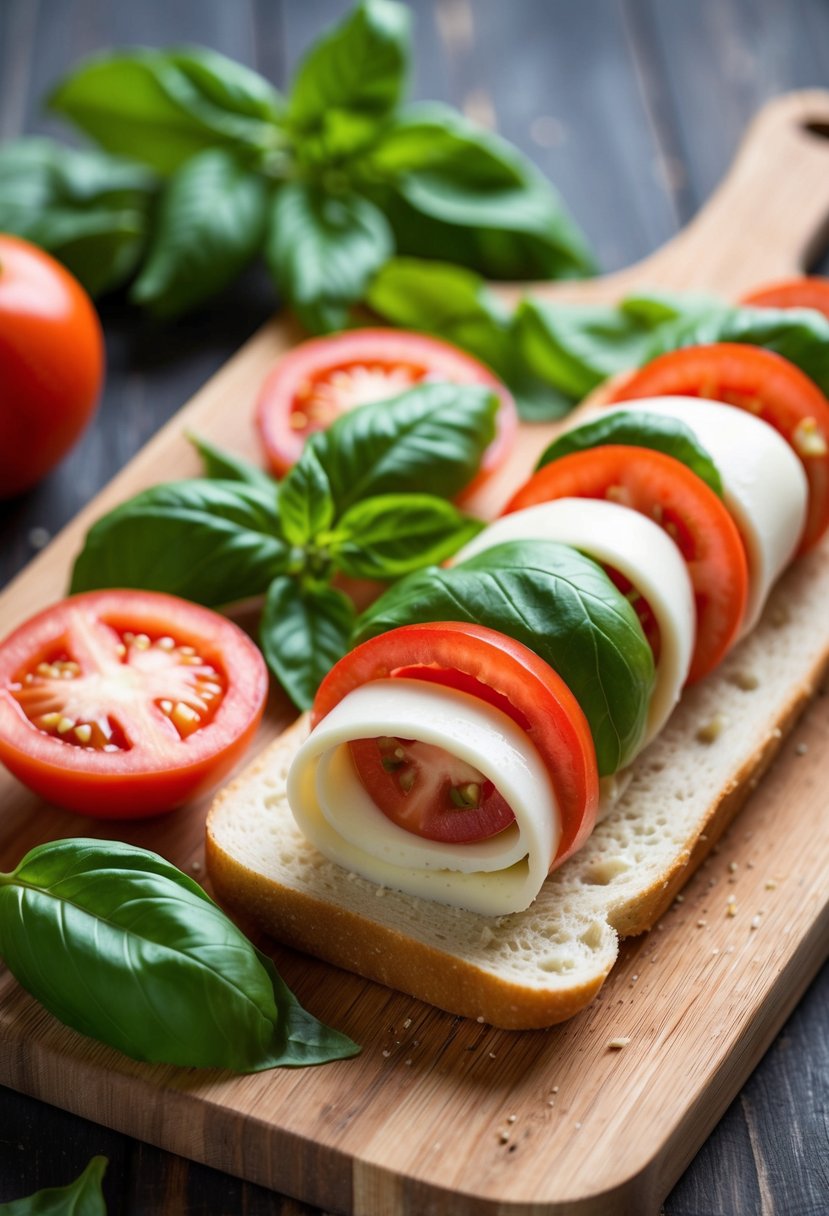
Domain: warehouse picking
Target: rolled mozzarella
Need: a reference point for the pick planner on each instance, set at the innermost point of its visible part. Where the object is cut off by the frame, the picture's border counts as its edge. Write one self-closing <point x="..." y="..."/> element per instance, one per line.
<point x="333" y="809"/>
<point x="764" y="486"/>
<point x="642" y="552"/>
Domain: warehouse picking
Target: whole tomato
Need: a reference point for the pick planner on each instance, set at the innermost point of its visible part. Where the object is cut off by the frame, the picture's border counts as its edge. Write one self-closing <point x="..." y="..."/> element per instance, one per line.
<point x="51" y="363"/>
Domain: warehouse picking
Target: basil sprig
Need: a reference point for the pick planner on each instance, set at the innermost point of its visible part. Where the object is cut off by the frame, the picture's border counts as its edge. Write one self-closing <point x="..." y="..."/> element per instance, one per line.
<point x="561" y="605"/>
<point x="82" y="1197"/>
<point x="326" y="183"/>
<point x="366" y="499"/>
<point x="641" y="429"/>
<point x="123" y="947"/>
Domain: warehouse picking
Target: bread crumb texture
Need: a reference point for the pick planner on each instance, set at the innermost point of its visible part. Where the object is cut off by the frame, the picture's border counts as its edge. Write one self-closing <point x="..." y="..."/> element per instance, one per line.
<point x="679" y="796"/>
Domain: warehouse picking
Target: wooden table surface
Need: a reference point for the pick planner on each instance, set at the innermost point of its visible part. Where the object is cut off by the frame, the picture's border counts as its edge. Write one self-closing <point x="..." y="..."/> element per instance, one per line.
<point x="634" y="108"/>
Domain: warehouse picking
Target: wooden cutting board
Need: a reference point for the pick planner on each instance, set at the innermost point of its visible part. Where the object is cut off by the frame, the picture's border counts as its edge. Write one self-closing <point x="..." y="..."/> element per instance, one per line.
<point x="439" y="1114"/>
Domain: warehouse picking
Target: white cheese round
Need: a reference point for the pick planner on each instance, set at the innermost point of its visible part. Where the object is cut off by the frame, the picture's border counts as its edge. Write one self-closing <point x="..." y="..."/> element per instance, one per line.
<point x="637" y="547"/>
<point x="333" y="809"/>
<point x="764" y="486"/>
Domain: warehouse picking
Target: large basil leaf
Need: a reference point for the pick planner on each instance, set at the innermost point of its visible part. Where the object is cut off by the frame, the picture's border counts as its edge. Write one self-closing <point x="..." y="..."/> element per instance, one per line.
<point x="462" y="194"/>
<point x="323" y="250"/>
<point x="211" y="223"/>
<point x="85" y="207"/>
<point x="358" y="67"/>
<point x="639" y="428"/>
<point x="306" y="505"/>
<point x="161" y="107"/>
<point x="560" y="604"/>
<point x="83" y="1197"/>
<point x="210" y="541"/>
<point x="392" y="534"/>
<point x="120" y="945"/>
<point x="801" y="335"/>
<point x="226" y="466"/>
<point x="429" y="440"/>
<point x="303" y="632"/>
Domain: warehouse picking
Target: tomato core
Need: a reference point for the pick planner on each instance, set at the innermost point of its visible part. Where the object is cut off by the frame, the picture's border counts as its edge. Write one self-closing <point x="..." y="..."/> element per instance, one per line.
<point x="335" y="390"/>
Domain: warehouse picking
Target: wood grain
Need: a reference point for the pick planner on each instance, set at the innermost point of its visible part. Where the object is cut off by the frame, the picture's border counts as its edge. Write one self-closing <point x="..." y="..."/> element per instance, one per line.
<point x="424" y="1116"/>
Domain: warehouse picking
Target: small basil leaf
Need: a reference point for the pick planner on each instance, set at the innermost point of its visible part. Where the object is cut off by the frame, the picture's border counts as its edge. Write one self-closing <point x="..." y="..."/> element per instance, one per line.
<point x="323" y="250"/>
<point x="86" y="208"/>
<point x="306" y="505"/>
<point x="360" y="65"/>
<point x="141" y="958"/>
<point x="226" y="466"/>
<point x="304" y="631"/>
<point x="210" y="541"/>
<point x="429" y="439"/>
<point x="560" y="604"/>
<point x="163" y="107"/>
<point x="447" y="174"/>
<point x="638" y="428"/>
<point x="211" y="223"/>
<point x="392" y="534"/>
<point x="83" y="1197"/>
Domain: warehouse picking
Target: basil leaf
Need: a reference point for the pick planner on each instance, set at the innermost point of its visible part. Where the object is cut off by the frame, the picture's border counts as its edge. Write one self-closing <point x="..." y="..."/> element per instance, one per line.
<point x="211" y="223"/>
<point x="461" y="194"/>
<point x="162" y="107"/>
<point x="83" y="1197"/>
<point x="453" y="303"/>
<point x="323" y="250"/>
<point x="226" y="466"/>
<point x="360" y="66"/>
<point x="86" y="208"/>
<point x="430" y="440"/>
<point x="639" y="429"/>
<point x="210" y="541"/>
<point x="392" y="534"/>
<point x="304" y="631"/>
<point x="306" y="505"/>
<point x="800" y="335"/>
<point x="560" y="604"/>
<point x="141" y="958"/>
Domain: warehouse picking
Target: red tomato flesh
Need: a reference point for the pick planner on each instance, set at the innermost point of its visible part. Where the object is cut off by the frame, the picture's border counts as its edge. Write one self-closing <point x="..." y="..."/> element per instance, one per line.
<point x="690" y="512"/>
<point x="806" y="292"/>
<point x="321" y="379"/>
<point x="121" y="704"/>
<point x="501" y="672"/>
<point x="764" y="384"/>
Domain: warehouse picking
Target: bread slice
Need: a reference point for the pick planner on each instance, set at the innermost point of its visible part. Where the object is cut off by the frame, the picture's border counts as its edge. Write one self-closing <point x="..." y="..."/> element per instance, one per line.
<point x="534" y="968"/>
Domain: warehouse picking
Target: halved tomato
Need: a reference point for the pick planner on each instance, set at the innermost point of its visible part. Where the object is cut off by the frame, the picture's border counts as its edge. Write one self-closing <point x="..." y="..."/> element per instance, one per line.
<point x="694" y="517"/>
<point x="323" y="378"/>
<point x="806" y="292"/>
<point x="497" y="670"/>
<point x="765" y="384"/>
<point x="121" y="704"/>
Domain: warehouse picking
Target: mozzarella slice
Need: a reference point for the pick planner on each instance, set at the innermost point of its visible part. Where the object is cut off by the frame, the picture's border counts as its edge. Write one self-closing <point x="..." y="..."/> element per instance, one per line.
<point x="333" y="809"/>
<point x="764" y="486"/>
<point x="633" y="544"/>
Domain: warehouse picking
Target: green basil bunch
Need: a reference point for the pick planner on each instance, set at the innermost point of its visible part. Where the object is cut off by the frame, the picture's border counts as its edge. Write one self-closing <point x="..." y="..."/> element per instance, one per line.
<point x="327" y="182"/>
<point x="121" y="946"/>
<point x="367" y="499"/>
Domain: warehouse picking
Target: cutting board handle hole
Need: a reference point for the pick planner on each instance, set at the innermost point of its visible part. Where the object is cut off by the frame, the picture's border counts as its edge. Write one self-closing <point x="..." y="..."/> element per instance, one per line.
<point x="819" y="127"/>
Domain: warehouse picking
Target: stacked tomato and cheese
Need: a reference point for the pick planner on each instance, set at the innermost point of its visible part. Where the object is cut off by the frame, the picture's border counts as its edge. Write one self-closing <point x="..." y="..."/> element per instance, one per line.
<point x="450" y="761"/>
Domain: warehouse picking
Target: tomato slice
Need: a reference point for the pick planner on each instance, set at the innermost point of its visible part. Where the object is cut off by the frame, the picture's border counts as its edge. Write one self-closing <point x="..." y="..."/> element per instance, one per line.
<point x="765" y="384"/>
<point x="694" y="517"/>
<point x="806" y="292"/>
<point x="121" y="704"/>
<point x="503" y="673"/>
<point x="323" y="378"/>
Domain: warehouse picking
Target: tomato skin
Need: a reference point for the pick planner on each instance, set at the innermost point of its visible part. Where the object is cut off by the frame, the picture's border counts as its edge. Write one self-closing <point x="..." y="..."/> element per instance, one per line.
<point x="51" y="363"/>
<point x="766" y="385"/>
<point x="418" y="356"/>
<point x="153" y="775"/>
<point x="666" y="490"/>
<point x="805" y="292"/>
<point x="504" y="673"/>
